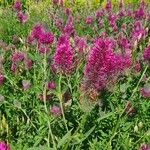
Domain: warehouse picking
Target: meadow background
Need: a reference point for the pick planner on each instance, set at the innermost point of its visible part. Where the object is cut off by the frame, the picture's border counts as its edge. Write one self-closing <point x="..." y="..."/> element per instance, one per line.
<point x="49" y="98"/>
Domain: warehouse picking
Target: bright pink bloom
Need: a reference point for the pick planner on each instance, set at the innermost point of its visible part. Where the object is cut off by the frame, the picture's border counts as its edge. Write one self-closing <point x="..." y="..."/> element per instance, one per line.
<point x="108" y="6"/>
<point x="51" y="85"/>
<point x="99" y="13"/>
<point x="17" y="5"/>
<point x="46" y="38"/>
<point x="4" y="146"/>
<point x="103" y="63"/>
<point x="140" y="12"/>
<point x="63" y="39"/>
<point x="63" y="57"/>
<point x="124" y="42"/>
<point x="68" y="11"/>
<point x="37" y="30"/>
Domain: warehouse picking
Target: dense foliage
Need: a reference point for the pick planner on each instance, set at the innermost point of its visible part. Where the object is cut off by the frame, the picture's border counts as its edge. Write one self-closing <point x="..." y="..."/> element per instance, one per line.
<point x="74" y="77"/>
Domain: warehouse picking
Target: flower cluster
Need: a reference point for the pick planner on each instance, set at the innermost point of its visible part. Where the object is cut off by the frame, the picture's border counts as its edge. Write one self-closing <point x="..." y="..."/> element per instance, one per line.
<point x="140" y="13"/>
<point x="17" y="5"/>
<point x="63" y="57"/>
<point x="22" y="17"/>
<point x="103" y="63"/>
<point x="108" y="6"/>
<point x="41" y="37"/>
<point x="138" y="31"/>
<point x="18" y="56"/>
<point x="69" y="28"/>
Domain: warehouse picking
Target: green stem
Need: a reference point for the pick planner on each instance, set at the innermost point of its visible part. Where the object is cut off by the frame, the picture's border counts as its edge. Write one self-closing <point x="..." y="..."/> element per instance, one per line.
<point x="60" y="100"/>
<point x="45" y="106"/>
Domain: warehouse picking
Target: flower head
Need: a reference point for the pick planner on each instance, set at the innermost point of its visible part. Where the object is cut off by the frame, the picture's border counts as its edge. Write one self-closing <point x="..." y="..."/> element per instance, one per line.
<point x="46" y="37"/>
<point x="108" y="6"/>
<point x="17" y="5"/>
<point x="103" y="63"/>
<point x="51" y="85"/>
<point x="68" y="11"/>
<point x="63" y="57"/>
<point x="37" y="30"/>
<point x="4" y="146"/>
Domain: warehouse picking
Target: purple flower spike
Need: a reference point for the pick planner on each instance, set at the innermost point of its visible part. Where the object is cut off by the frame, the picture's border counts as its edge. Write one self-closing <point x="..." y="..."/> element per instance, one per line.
<point x="63" y="57"/>
<point x="46" y="38"/>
